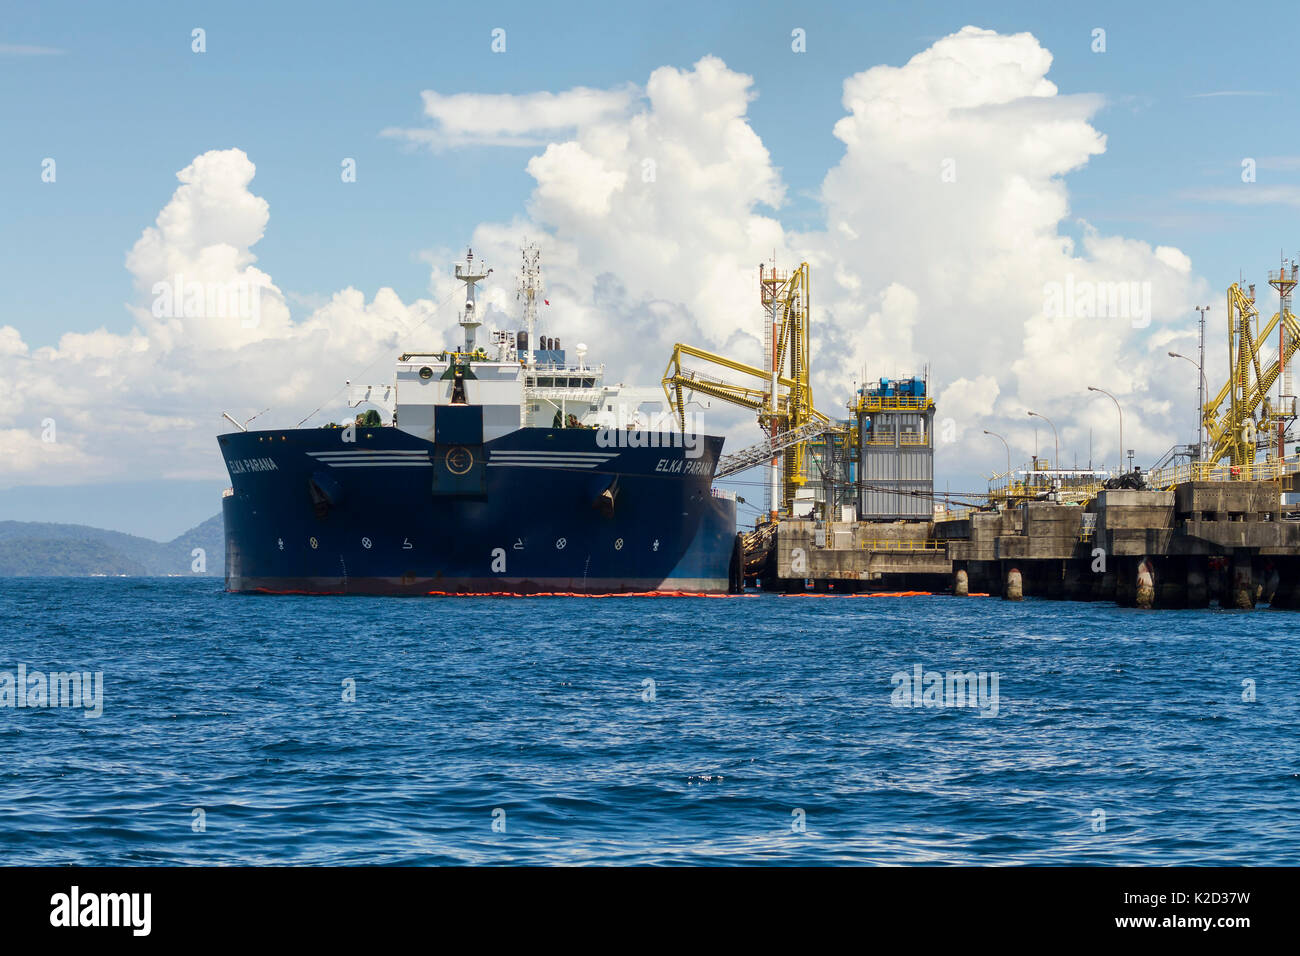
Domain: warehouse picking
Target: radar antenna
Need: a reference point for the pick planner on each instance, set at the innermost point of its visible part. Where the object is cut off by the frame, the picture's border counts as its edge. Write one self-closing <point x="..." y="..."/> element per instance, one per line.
<point x="530" y="290"/>
<point x="469" y="273"/>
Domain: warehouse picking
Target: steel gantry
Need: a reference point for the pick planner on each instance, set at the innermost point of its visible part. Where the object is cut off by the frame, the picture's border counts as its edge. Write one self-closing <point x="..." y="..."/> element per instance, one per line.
<point x="1242" y="410"/>
<point x="779" y="393"/>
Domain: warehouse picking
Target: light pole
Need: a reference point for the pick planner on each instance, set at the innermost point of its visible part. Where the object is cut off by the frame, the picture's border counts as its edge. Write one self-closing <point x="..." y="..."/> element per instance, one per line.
<point x="1008" y="448"/>
<point x="1056" y="462"/>
<point x="1094" y="388"/>
<point x="1205" y="390"/>
<point x="1200" y="411"/>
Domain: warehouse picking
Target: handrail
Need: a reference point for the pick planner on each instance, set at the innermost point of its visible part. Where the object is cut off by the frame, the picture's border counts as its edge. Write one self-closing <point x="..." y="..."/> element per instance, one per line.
<point x="1270" y="470"/>
<point x="878" y="403"/>
<point x="895" y="545"/>
<point x="905" y="439"/>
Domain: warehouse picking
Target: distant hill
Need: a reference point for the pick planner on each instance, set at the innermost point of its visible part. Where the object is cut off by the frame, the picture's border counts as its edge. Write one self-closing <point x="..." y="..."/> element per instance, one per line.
<point x="39" y="549"/>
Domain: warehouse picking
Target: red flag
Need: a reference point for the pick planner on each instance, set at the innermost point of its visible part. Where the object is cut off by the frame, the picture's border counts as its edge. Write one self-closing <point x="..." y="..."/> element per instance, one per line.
<point x="547" y="301"/>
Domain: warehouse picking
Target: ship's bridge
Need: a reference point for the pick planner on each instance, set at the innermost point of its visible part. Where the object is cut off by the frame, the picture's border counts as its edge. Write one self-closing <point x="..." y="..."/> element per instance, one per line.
<point x="429" y="381"/>
<point x="518" y="381"/>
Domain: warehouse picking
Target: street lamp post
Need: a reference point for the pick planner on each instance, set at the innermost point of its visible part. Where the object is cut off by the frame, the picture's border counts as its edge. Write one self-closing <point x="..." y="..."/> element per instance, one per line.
<point x="1094" y="388"/>
<point x="1200" y="411"/>
<point x="1008" y="448"/>
<point x="1057" y="438"/>
<point x="1205" y="390"/>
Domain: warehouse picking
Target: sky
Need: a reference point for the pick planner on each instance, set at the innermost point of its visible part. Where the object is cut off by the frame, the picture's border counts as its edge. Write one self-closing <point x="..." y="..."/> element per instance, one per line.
<point x="942" y="167"/>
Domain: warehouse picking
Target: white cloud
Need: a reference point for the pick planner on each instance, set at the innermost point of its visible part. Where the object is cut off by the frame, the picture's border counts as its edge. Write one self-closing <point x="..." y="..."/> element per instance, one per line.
<point x="485" y="119"/>
<point x="909" y="269"/>
<point x="11" y="342"/>
<point x="29" y="459"/>
<point x="147" y="403"/>
<point x="976" y="395"/>
<point x="568" y="174"/>
<point x="1250" y="194"/>
<point x="652" y="224"/>
<point x="952" y="186"/>
<point x="946" y="220"/>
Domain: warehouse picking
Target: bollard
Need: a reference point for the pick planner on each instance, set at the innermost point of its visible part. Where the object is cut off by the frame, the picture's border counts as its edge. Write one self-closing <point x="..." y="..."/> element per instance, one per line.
<point x="961" y="584"/>
<point x="1015" y="588"/>
<point x="1146" y="585"/>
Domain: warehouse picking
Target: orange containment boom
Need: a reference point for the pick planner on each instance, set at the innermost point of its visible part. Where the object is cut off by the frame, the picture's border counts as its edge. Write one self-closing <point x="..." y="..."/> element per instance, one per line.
<point x="615" y="594"/>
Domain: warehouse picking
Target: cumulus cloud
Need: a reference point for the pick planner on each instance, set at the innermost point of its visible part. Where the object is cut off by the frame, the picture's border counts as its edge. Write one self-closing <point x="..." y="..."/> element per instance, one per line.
<point x="952" y="187"/>
<point x="947" y="225"/>
<point x="948" y="242"/>
<point x="147" y="403"/>
<point x="652" y="225"/>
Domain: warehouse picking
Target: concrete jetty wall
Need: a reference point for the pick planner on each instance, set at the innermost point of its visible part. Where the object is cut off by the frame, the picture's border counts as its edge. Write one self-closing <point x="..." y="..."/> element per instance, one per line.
<point x="1200" y="542"/>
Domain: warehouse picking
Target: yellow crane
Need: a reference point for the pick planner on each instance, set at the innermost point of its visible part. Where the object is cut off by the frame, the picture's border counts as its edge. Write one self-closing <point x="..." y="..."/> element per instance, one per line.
<point x="1232" y="428"/>
<point x="780" y="393"/>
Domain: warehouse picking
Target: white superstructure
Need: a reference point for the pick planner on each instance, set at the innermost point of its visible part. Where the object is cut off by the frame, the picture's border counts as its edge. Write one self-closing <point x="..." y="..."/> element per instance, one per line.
<point x="519" y="381"/>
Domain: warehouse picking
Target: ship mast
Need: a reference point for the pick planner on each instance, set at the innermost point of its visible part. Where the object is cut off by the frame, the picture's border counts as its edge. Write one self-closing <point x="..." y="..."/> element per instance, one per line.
<point x="530" y="290"/>
<point x="470" y="274"/>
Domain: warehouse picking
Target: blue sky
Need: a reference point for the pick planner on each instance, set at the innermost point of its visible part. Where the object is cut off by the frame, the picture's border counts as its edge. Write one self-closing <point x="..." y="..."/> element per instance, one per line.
<point x="114" y="94"/>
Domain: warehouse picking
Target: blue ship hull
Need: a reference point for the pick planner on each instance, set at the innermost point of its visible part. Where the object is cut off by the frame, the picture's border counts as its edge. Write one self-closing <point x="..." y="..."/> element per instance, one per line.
<point x="535" y="511"/>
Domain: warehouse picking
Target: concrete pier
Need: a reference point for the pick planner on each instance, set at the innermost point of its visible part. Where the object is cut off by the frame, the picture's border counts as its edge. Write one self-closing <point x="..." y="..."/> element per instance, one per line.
<point x="1015" y="590"/>
<point x="1146" y="585"/>
<point x="1243" y="583"/>
<point x="1200" y="542"/>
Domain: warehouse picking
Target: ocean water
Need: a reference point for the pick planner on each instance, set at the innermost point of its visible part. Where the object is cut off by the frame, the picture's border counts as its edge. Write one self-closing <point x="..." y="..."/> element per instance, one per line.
<point x="772" y="731"/>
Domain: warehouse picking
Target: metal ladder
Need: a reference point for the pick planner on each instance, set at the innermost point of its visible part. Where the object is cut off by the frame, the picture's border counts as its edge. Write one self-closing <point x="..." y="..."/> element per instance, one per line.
<point x="765" y="450"/>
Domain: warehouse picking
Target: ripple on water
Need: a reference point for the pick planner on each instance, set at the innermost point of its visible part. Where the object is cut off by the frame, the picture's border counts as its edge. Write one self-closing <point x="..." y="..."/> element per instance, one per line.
<point x="498" y="732"/>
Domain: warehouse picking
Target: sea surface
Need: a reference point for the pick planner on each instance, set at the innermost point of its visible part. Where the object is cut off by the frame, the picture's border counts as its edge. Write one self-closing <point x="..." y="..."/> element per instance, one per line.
<point x="527" y="730"/>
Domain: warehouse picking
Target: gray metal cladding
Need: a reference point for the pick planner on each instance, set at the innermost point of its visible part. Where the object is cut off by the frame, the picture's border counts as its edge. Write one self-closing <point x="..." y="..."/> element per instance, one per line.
<point x="897" y="461"/>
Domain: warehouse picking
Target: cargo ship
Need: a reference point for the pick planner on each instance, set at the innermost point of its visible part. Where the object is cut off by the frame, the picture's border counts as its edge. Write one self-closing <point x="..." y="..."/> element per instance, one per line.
<point x="492" y="468"/>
